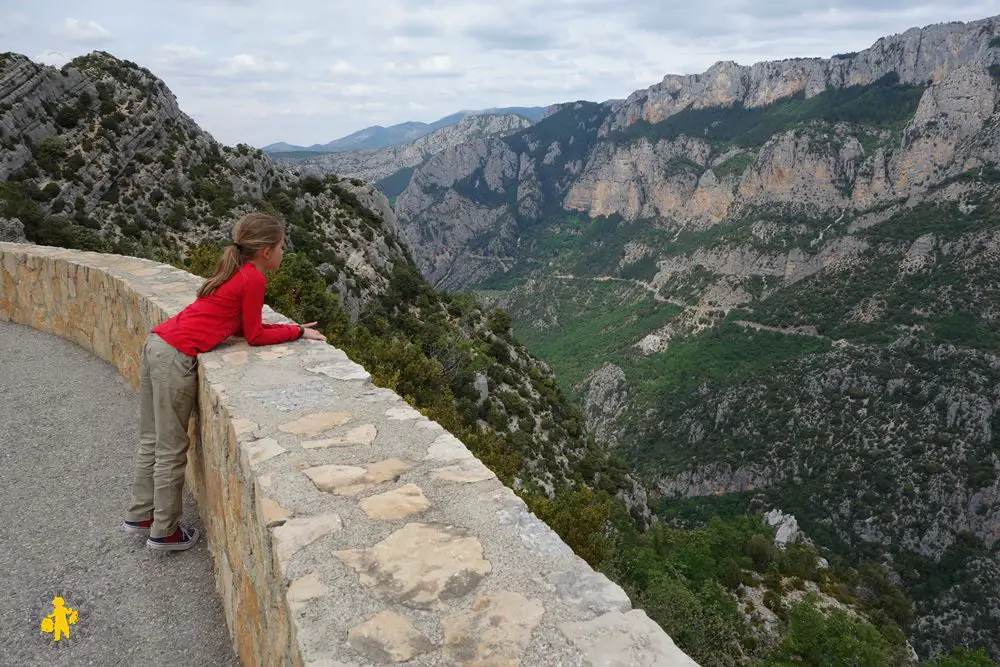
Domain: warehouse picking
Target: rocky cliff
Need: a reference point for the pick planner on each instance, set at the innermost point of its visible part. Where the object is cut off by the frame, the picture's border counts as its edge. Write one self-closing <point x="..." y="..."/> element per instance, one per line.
<point x="917" y="56"/>
<point x="772" y="288"/>
<point x="375" y="165"/>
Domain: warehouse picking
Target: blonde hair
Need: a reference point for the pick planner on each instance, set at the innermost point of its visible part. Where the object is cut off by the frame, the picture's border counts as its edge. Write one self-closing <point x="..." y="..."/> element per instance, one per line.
<point x="253" y="232"/>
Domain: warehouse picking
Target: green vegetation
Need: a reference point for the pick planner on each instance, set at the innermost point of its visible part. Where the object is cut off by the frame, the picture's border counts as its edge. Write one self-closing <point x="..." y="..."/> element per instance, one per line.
<point x="691" y="581"/>
<point x="946" y="221"/>
<point x="734" y="166"/>
<point x="596" y="322"/>
<point x="574" y="128"/>
<point x="961" y="656"/>
<point x="723" y="354"/>
<point x="885" y="103"/>
<point x="836" y="638"/>
<point x="946" y="303"/>
<point x="19" y="199"/>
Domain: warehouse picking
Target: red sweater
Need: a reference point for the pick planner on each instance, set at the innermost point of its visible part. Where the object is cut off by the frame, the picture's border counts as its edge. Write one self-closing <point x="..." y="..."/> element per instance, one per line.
<point x="234" y="309"/>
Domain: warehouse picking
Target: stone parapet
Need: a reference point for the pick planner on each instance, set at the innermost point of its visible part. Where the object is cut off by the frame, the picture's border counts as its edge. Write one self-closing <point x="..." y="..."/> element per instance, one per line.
<point x="346" y="528"/>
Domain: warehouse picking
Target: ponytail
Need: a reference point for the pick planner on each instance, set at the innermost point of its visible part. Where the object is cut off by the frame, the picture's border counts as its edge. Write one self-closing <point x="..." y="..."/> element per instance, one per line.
<point x="253" y="232"/>
<point x="225" y="268"/>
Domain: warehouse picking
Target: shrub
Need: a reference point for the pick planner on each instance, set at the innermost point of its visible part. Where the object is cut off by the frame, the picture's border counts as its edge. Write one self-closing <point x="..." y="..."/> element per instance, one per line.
<point x="50" y="152"/>
<point x="312" y="185"/>
<point x="75" y="162"/>
<point x="837" y="639"/>
<point x="51" y="191"/>
<point x="68" y="116"/>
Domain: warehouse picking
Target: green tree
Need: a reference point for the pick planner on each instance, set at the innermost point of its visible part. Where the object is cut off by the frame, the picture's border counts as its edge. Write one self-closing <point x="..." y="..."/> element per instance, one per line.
<point x="837" y="639"/>
<point x="961" y="656"/>
<point x="580" y="517"/>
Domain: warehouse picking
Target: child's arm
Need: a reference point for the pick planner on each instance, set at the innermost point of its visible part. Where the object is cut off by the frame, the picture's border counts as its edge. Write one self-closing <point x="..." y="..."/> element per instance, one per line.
<point x="257" y="332"/>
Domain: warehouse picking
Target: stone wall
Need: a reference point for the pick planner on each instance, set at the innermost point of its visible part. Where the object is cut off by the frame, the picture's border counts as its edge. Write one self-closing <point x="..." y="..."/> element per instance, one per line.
<point x="346" y="528"/>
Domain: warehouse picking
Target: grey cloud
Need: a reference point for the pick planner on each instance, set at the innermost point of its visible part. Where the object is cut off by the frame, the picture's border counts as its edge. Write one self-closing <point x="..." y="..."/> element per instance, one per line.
<point x="512" y="38"/>
<point x="756" y="20"/>
<point x="417" y="28"/>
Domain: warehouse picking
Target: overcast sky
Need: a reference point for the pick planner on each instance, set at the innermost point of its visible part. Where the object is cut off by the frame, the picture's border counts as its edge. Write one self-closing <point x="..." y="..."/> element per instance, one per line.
<point x="248" y="71"/>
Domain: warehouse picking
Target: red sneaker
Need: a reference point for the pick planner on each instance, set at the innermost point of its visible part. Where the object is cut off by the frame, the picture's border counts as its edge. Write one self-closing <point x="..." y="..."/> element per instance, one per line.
<point x="183" y="538"/>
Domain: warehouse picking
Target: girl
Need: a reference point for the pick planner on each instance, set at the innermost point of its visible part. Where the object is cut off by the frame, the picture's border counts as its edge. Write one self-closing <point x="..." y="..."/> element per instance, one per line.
<point x="229" y="303"/>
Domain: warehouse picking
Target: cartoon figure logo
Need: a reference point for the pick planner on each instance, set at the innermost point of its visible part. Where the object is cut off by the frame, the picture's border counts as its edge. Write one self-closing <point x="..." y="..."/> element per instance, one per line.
<point x="57" y="623"/>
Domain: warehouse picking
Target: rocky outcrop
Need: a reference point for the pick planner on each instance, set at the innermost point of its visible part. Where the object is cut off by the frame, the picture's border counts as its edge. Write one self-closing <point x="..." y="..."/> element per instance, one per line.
<point x="605" y="398"/>
<point x="786" y="528"/>
<point x="456" y="240"/>
<point x="374" y="165"/>
<point x="918" y="55"/>
<point x="12" y="231"/>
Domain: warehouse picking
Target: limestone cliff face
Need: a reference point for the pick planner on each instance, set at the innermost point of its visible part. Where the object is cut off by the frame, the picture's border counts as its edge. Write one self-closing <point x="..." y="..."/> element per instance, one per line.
<point x="374" y="165"/>
<point x="828" y="168"/>
<point x="917" y="55"/>
<point x="444" y="226"/>
<point x="643" y="180"/>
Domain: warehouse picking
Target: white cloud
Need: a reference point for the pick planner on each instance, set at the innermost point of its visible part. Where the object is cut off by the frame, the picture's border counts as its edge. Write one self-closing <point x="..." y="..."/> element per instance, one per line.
<point x="181" y="52"/>
<point x="361" y="90"/>
<point x="344" y="67"/>
<point x="244" y="63"/>
<point x="181" y="57"/>
<point x="438" y="64"/>
<point x="53" y="58"/>
<point x="83" y="32"/>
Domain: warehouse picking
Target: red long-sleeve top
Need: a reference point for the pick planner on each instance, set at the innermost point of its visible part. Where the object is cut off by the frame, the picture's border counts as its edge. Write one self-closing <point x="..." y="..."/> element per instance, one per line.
<point x="234" y="309"/>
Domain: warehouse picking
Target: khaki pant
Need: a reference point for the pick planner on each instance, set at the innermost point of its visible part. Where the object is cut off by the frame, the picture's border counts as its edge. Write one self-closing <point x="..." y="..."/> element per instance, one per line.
<point x="168" y="392"/>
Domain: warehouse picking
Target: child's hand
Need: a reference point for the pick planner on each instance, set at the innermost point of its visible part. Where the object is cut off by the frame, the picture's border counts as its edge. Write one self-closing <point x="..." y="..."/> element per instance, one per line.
<point x="311" y="333"/>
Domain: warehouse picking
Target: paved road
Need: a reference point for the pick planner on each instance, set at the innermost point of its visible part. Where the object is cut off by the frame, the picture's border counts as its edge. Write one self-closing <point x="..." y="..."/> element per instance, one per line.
<point x="68" y="426"/>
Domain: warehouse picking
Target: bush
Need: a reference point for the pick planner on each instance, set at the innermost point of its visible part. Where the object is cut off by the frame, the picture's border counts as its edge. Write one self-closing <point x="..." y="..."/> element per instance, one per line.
<point x="961" y="656"/>
<point x="75" y="162"/>
<point x="835" y="640"/>
<point x="312" y="185"/>
<point x="67" y="116"/>
<point x="51" y="191"/>
<point x="50" y="152"/>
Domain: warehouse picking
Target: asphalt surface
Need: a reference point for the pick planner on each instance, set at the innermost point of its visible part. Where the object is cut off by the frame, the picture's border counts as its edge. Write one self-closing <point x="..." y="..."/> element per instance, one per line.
<point x="68" y="438"/>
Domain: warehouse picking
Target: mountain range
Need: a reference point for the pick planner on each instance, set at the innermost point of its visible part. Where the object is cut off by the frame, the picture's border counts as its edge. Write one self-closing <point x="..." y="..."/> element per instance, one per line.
<point x="377" y="136"/>
<point x="771" y="288"/>
<point x="390" y="168"/>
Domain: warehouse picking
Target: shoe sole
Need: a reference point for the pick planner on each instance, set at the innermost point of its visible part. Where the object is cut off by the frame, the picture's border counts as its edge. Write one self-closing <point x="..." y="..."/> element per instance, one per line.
<point x="174" y="546"/>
